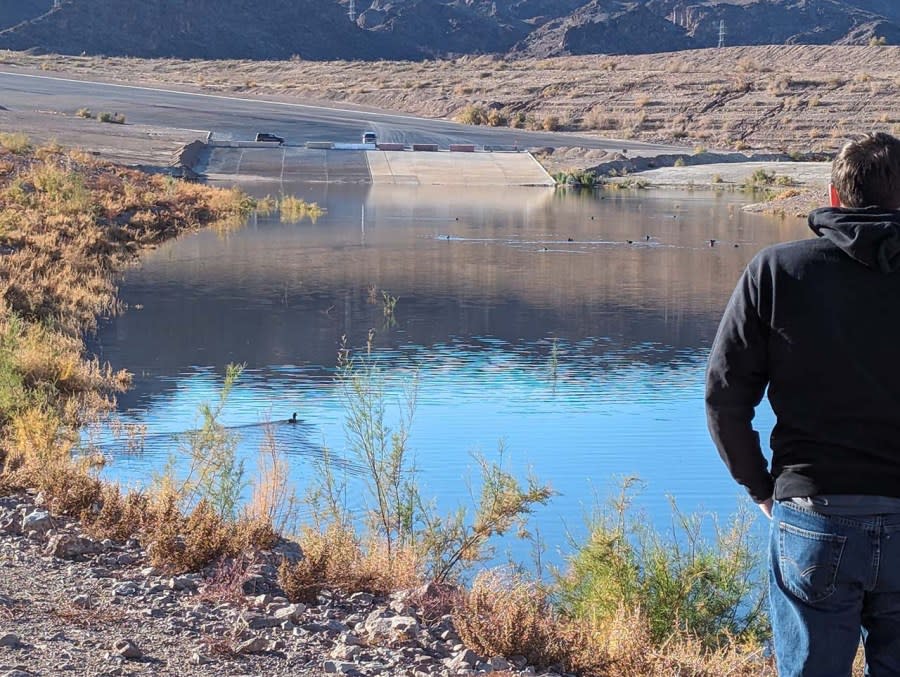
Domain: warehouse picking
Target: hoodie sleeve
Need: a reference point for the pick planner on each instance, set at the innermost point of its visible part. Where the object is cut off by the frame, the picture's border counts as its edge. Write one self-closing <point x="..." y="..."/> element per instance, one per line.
<point x="736" y="380"/>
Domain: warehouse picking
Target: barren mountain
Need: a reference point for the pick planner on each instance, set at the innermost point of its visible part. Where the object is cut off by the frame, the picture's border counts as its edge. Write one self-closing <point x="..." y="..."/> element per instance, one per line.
<point x="418" y="29"/>
<point x="271" y="29"/>
<point x="13" y="12"/>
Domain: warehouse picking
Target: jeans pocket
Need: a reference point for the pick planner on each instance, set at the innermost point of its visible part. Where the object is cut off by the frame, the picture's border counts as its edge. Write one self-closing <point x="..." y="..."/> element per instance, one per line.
<point x="809" y="561"/>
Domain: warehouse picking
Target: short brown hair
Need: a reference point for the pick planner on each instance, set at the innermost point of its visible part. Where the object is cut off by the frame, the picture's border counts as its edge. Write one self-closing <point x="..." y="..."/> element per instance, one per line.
<point x="866" y="173"/>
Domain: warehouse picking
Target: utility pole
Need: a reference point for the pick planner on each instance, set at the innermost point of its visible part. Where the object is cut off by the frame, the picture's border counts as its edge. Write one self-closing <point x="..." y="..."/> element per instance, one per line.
<point x="722" y="33"/>
<point x="352" y="11"/>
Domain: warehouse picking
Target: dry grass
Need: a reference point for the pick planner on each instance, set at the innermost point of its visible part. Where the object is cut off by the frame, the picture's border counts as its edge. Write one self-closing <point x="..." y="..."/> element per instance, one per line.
<point x="69" y="225"/>
<point x="507" y="615"/>
<point x="296" y="209"/>
<point x="225" y="585"/>
<point x="335" y="559"/>
<point x="90" y="617"/>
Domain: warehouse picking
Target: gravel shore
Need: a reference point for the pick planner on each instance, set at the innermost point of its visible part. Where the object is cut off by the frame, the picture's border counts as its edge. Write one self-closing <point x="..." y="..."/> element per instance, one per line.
<point x="70" y="605"/>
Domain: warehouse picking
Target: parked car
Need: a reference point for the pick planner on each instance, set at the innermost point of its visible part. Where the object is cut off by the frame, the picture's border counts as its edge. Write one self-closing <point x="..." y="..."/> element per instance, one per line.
<point x="370" y="137"/>
<point x="272" y="138"/>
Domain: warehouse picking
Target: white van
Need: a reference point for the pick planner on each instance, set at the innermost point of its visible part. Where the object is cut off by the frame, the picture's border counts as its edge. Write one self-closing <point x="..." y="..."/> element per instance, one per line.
<point x="370" y="137"/>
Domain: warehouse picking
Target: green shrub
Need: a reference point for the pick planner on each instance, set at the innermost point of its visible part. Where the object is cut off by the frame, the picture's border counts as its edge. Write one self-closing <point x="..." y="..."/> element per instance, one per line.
<point x="682" y="583"/>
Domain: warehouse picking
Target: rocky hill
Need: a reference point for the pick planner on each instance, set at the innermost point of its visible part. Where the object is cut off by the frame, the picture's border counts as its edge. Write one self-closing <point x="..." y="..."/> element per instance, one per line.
<point x="417" y="29"/>
<point x="270" y="29"/>
<point x="13" y="12"/>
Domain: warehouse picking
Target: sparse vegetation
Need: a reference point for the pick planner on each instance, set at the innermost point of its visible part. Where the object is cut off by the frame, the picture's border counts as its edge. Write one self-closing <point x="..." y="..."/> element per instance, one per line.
<point x="84" y="113"/>
<point x="294" y="209"/>
<point x="56" y="281"/>
<point x="577" y="179"/>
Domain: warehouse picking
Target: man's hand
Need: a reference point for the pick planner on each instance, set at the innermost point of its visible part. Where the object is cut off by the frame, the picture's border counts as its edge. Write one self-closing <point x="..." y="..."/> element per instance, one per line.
<point x="766" y="507"/>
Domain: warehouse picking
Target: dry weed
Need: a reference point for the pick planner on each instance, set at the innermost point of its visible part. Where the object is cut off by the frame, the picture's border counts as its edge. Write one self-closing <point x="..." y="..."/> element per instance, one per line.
<point x="120" y="517"/>
<point x="226" y="584"/>
<point x="505" y="614"/>
<point x="334" y="559"/>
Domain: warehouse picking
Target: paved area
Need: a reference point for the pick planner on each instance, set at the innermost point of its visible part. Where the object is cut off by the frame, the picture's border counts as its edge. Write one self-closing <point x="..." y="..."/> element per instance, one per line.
<point x="457" y="169"/>
<point x="130" y="144"/>
<point x="815" y="174"/>
<point x="290" y="165"/>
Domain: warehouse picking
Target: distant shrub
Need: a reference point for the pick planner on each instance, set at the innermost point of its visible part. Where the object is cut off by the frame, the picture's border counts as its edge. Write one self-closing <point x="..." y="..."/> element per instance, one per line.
<point x="472" y="115"/>
<point x="551" y="123"/>
<point x="84" y="113"/>
<point x="877" y="41"/>
<point x="496" y="118"/>
<point x="680" y="162"/>
<point x="114" y="118"/>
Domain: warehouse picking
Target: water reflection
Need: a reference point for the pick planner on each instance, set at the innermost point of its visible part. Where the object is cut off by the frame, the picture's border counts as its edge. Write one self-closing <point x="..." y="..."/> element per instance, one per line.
<point x="627" y="288"/>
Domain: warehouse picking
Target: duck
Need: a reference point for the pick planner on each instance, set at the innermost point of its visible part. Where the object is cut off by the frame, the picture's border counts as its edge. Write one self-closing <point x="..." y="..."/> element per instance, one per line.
<point x="712" y="243"/>
<point x="294" y="419"/>
<point x="571" y="239"/>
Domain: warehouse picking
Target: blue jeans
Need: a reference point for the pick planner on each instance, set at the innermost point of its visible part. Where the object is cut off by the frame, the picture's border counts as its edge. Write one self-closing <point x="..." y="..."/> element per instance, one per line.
<point x="833" y="579"/>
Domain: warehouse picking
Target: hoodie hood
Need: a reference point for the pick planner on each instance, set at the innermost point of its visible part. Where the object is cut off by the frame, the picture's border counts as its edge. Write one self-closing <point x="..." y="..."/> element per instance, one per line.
<point x="870" y="235"/>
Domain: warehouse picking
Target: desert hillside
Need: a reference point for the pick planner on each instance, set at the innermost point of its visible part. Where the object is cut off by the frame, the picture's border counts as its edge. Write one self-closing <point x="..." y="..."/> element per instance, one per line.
<point x="785" y="98"/>
<point x="422" y="29"/>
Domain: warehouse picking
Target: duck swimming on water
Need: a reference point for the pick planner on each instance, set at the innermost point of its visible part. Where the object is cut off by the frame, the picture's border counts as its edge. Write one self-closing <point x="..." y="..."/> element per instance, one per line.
<point x="293" y="419"/>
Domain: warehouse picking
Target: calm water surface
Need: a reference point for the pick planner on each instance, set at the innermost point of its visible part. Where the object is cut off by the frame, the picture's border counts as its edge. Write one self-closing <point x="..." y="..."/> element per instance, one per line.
<point x="531" y="321"/>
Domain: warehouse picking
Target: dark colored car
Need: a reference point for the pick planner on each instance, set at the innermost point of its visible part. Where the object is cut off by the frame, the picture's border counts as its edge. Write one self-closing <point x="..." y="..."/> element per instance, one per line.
<point x="272" y="138"/>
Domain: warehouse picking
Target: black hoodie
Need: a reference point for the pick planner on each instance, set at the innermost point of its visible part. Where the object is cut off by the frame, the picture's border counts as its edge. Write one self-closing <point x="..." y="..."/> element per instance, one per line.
<point x="818" y="323"/>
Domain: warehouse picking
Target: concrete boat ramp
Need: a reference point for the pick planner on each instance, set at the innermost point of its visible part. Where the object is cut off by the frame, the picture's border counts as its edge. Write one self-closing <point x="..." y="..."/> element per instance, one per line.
<point x="249" y="162"/>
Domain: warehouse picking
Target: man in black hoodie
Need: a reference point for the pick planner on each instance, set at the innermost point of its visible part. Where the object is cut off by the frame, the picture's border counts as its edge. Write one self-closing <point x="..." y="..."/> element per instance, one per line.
<point x="817" y="322"/>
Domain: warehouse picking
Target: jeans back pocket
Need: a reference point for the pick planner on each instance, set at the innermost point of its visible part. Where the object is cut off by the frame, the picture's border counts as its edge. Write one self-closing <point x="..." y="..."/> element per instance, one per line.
<point x="809" y="561"/>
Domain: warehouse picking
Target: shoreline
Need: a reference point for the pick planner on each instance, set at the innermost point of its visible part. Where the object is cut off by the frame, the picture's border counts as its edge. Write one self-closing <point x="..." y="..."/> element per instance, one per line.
<point x="56" y="510"/>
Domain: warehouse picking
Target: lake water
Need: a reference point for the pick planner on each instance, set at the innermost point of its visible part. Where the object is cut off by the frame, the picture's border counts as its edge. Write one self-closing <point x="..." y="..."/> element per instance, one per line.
<point x="530" y="321"/>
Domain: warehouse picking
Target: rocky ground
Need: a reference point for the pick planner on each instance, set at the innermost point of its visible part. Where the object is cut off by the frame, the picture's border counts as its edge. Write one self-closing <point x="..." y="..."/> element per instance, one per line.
<point x="73" y="605"/>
